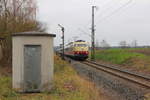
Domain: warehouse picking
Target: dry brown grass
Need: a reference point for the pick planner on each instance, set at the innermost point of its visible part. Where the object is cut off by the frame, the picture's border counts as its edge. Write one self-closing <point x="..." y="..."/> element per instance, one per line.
<point x="71" y="82"/>
<point x="67" y="86"/>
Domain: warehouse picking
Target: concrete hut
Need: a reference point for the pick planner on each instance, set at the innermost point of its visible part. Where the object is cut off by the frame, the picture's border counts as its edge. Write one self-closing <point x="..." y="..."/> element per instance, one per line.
<point x="33" y="61"/>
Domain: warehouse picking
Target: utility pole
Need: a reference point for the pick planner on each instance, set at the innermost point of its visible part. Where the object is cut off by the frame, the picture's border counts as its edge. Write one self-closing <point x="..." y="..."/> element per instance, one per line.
<point x="63" y="40"/>
<point x="93" y="35"/>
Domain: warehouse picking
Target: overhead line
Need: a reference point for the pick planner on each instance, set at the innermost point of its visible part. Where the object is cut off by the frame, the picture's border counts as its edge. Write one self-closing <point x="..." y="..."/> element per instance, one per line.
<point x="86" y="33"/>
<point x="126" y="4"/>
<point x="79" y="29"/>
<point x="101" y="6"/>
<point x="110" y="7"/>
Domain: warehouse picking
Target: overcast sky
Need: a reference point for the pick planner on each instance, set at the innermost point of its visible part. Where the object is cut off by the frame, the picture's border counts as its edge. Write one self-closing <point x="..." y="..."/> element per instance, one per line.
<point x="116" y="20"/>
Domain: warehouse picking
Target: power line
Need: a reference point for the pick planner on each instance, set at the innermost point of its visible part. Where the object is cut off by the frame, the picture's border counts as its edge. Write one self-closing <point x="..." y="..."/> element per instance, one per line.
<point x="108" y="8"/>
<point x="115" y="11"/>
<point x="101" y="7"/>
<point x="81" y="30"/>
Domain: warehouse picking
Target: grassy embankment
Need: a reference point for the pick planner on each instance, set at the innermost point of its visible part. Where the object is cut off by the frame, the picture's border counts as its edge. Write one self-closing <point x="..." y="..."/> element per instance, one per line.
<point x="67" y="86"/>
<point x="133" y="58"/>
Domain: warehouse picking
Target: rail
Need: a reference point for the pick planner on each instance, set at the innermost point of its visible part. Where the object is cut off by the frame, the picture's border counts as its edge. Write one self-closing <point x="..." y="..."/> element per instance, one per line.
<point x="132" y="77"/>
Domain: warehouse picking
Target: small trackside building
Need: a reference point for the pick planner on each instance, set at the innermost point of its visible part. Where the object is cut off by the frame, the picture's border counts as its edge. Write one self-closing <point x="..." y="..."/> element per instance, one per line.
<point x="33" y="61"/>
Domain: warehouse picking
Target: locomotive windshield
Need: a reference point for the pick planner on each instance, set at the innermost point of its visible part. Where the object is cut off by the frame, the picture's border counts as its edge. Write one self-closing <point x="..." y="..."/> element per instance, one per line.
<point x="80" y="45"/>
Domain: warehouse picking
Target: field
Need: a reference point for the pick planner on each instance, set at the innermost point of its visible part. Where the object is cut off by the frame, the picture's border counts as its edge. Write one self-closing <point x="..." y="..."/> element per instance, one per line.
<point x="133" y="58"/>
<point x="67" y="86"/>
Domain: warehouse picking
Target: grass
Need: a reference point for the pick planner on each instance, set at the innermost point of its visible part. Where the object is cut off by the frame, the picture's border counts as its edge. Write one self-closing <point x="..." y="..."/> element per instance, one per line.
<point x="117" y="56"/>
<point x="125" y="57"/>
<point x="67" y="86"/>
<point x="5" y="88"/>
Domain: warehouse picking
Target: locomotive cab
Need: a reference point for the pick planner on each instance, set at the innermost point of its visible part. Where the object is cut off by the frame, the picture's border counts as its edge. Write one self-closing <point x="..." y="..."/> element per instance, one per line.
<point x="81" y="50"/>
<point x="77" y="50"/>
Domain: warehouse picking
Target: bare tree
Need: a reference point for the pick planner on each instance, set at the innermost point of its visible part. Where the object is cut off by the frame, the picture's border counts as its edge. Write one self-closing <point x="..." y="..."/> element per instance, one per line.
<point x="123" y="44"/>
<point x="134" y="44"/>
<point x="17" y="16"/>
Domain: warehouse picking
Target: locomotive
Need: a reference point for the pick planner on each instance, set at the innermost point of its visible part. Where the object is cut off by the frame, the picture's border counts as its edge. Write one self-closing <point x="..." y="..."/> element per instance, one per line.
<point x="78" y="50"/>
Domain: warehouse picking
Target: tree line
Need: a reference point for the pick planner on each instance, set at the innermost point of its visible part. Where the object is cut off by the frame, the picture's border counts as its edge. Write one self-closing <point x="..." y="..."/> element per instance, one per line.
<point x="16" y="16"/>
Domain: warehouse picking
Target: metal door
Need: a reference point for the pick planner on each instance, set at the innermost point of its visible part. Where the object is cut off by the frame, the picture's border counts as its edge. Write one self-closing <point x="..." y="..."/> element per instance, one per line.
<point x="32" y="68"/>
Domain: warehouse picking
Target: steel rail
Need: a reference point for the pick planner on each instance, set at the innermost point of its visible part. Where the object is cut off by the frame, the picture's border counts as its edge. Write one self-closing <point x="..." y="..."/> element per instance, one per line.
<point x="134" y="78"/>
<point x="120" y="70"/>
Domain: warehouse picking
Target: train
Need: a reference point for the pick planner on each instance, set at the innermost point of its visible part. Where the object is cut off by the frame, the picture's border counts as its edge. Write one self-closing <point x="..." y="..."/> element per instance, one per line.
<point x="78" y="50"/>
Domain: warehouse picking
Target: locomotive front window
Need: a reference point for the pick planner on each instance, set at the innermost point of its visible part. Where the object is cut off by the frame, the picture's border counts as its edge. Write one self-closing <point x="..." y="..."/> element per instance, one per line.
<point x="80" y="45"/>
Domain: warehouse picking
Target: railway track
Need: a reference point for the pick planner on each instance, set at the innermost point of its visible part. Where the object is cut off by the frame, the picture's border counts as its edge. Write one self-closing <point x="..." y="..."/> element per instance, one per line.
<point x="129" y="76"/>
